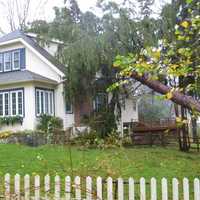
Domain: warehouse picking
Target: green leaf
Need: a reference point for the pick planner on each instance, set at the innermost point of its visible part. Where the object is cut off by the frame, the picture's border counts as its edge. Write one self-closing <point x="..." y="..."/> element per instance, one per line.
<point x="189" y="1"/>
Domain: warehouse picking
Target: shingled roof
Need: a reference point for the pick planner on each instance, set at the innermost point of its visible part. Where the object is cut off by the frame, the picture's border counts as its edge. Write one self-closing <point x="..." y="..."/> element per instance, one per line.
<point x="19" y="34"/>
<point x="23" y="76"/>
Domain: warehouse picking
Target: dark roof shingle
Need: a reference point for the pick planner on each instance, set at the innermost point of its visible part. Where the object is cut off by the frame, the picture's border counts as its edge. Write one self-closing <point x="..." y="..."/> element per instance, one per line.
<point x="23" y="76"/>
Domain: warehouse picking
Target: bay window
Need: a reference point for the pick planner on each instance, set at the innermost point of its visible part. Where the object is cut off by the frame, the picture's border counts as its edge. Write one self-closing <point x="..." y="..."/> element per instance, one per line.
<point x="44" y="102"/>
<point x="11" y="103"/>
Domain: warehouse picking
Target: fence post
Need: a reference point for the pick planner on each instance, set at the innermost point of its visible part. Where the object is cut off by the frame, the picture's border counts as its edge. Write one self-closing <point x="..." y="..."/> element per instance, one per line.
<point x="131" y="189"/>
<point x="17" y="186"/>
<point x="153" y="189"/>
<point x="99" y="189"/>
<point x="164" y="189"/>
<point x="196" y="189"/>
<point x="120" y="189"/>
<point x="7" y="186"/>
<point x="47" y="186"/>
<point x="77" y="188"/>
<point x="67" y="188"/>
<point x="57" y="188"/>
<point x="142" y="189"/>
<point x="186" y="195"/>
<point x="88" y="188"/>
<point x="27" y="187"/>
<point x="109" y="188"/>
<point x="37" y="187"/>
<point x="175" y="189"/>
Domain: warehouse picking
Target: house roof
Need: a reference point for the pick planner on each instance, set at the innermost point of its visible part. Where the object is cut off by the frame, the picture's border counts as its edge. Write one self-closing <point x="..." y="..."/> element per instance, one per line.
<point x="23" y="76"/>
<point x="19" y="34"/>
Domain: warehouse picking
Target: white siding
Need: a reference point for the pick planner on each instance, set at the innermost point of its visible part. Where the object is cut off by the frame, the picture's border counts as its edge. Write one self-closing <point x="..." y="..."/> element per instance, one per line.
<point x="35" y="64"/>
<point x="130" y="113"/>
<point x="11" y="47"/>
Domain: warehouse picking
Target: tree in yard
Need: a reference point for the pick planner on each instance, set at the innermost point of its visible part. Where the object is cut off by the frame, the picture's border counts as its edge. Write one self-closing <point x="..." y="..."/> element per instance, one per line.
<point x="172" y="68"/>
<point x="18" y="12"/>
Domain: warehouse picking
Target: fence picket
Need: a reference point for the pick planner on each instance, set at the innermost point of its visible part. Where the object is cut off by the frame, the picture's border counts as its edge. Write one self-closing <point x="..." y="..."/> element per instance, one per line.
<point x="186" y="195"/>
<point x="109" y="188"/>
<point x="120" y="189"/>
<point x="57" y="188"/>
<point x="164" y="189"/>
<point x="131" y="189"/>
<point x="175" y="189"/>
<point x="77" y="182"/>
<point x="88" y="188"/>
<point x="99" y="189"/>
<point x="47" y="187"/>
<point x="37" y="187"/>
<point x="142" y="189"/>
<point x="7" y="186"/>
<point x="196" y="189"/>
<point x="27" y="187"/>
<point x="17" y="186"/>
<point x="90" y="193"/>
<point x="67" y="188"/>
<point x="153" y="189"/>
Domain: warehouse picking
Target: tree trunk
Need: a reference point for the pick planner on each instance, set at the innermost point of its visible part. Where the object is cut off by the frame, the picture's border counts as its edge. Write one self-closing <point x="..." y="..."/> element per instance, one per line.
<point x="184" y="100"/>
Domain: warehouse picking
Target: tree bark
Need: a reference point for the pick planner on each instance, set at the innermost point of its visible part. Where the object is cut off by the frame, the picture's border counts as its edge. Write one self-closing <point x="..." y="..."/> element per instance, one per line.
<point x="184" y="100"/>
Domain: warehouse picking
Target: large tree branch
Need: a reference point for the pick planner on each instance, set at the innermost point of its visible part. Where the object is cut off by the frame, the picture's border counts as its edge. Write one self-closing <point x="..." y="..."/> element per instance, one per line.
<point x="177" y="97"/>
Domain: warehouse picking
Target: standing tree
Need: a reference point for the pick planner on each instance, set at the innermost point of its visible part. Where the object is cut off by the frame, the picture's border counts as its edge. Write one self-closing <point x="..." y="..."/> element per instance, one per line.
<point x="17" y="12"/>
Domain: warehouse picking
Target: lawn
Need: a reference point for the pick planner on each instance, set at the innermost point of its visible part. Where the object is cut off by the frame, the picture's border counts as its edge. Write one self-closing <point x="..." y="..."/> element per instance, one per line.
<point x="136" y="162"/>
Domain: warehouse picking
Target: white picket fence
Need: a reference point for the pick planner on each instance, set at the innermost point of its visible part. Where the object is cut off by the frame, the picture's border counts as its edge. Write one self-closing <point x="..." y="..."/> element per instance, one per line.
<point x="27" y="188"/>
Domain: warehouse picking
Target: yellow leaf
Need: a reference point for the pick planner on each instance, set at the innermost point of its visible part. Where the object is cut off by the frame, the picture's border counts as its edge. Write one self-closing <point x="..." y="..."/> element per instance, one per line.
<point x="178" y="119"/>
<point x="185" y="24"/>
<point x="169" y="95"/>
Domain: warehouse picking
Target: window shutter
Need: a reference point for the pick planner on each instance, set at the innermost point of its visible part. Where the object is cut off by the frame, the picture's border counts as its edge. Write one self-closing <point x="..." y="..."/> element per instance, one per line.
<point x="22" y="58"/>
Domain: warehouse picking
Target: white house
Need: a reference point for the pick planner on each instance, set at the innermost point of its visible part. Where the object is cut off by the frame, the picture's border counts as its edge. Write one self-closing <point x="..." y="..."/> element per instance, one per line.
<point x="31" y="83"/>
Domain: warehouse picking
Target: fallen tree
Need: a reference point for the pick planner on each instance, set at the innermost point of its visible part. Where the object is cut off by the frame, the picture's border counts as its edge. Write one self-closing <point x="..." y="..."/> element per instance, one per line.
<point x="177" y="97"/>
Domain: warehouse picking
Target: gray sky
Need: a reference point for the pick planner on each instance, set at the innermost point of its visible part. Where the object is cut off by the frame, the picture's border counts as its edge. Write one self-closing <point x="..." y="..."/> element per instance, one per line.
<point x="43" y="9"/>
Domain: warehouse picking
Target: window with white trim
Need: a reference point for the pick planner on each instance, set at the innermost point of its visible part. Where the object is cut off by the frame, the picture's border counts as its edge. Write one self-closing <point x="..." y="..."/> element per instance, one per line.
<point x="44" y="102"/>
<point x="1" y="62"/>
<point x="11" y="103"/>
<point x="16" y="60"/>
<point x="7" y="61"/>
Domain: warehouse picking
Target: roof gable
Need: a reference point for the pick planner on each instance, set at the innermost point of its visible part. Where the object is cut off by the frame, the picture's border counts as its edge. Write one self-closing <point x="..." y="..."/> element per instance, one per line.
<point x="20" y="35"/>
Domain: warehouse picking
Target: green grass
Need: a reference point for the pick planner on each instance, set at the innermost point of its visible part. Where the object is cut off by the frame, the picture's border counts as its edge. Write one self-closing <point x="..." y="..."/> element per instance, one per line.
<point x="135" y="162"/>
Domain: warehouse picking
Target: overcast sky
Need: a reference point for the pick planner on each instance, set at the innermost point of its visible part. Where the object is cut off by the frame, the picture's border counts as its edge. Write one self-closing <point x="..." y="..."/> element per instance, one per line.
<point x="43" y="9"/>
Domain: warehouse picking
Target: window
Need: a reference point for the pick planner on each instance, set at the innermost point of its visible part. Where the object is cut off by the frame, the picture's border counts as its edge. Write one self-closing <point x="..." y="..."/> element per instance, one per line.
<point x="100" y="101"/>
<point x="44" y="102"/>
<point x="7" y="61"/>
<point x="11" y="103"/>
<point x="1" y="62"/>
<point x="69" y="109"/>
<point x="16" y="60"/>
<point x="12" y="60"/>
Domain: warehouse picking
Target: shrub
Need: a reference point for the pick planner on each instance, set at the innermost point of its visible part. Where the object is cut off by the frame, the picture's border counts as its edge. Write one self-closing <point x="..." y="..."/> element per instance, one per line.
<point x="48" y="123"/>
<point x="10" y="120"/>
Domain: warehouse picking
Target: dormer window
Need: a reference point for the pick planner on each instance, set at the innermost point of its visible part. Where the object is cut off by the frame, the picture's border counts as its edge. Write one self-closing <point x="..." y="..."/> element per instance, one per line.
<point x="1" y="62"/>
<point x="16" y="60"/>
<point x="7" y="61"/>
<point x="12" y="60"/>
